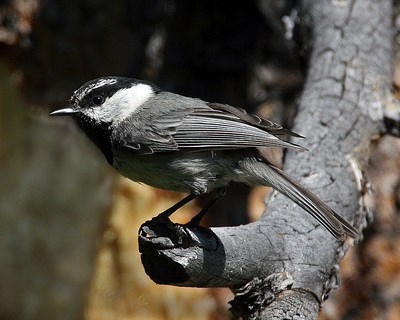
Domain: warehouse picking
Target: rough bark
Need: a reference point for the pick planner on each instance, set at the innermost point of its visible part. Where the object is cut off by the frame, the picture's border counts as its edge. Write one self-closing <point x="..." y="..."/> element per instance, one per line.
<point x="342" y="107"/>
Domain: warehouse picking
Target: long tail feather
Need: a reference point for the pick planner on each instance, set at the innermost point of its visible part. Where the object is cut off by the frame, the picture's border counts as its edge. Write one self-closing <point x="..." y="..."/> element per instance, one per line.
<point x="276" y="178"/>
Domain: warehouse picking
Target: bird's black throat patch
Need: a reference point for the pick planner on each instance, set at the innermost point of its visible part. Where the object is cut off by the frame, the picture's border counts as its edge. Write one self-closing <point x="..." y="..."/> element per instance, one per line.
<point x="98" y="133"/>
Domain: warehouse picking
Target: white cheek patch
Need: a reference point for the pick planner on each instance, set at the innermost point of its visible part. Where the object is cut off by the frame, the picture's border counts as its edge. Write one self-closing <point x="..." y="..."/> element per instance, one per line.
<point x="122" y="104"/>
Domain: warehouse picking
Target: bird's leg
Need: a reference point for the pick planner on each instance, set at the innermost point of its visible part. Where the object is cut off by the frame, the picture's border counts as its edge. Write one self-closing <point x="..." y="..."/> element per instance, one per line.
<point x="162" y="232"/>
<point x="165" y="214"/>
<point x="195" y="221"/>
<point x="162" y="227"/>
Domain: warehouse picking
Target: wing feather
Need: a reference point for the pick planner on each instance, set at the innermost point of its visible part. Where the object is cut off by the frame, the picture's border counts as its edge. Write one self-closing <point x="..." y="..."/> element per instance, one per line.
<point x="208" y="127"/>
<point x="221" y="132"/>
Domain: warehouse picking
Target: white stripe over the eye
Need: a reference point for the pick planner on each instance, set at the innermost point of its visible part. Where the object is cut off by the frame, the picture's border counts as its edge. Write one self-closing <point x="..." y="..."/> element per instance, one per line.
<point x="102" y="82"/>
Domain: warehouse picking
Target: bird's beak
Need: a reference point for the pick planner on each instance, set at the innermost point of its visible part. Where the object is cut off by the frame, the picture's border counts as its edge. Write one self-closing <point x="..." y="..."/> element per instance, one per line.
<point x="63" y="112"/>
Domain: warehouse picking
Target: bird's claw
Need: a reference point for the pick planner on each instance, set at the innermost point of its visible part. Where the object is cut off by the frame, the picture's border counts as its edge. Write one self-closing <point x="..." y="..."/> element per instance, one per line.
<point x="163" y="233"/>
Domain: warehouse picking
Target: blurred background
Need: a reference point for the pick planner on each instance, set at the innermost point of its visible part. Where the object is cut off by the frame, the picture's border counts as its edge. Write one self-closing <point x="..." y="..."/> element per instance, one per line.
<point x="68" y="222"/>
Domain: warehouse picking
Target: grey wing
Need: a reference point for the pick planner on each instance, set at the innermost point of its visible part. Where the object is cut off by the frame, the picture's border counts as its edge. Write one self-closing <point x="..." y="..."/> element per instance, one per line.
<point x="215" y="129"/>
<point x="208" y="127"/>
<point x="155" y="136"/>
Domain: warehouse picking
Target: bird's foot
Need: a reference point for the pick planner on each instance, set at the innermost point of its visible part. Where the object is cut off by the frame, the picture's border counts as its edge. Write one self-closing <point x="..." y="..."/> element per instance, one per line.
<point x="161" y="232"/>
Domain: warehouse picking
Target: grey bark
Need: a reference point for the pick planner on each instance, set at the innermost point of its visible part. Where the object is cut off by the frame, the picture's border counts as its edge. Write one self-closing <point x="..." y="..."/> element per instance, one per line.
<point x="341" y="108"/>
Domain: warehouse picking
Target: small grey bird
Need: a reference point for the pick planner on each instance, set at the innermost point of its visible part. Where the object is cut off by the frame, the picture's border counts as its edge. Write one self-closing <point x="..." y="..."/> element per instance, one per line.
<point x="189" y="145"/>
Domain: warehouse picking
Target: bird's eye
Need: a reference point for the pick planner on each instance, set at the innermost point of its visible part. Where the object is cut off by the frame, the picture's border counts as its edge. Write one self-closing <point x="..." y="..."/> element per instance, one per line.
<point x="98" y="100"/>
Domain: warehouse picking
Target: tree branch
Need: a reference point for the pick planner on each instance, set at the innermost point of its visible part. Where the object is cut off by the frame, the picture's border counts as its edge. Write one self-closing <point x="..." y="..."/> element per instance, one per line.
<point x="342" y="107"/>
